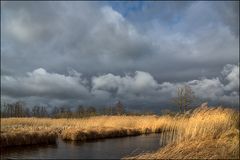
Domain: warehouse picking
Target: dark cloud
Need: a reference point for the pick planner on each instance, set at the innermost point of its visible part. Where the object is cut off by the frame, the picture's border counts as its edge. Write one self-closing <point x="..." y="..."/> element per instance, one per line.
<point x="137" y="88"/>
<point x="174" y="42"/>
<point x="228" y="12"/>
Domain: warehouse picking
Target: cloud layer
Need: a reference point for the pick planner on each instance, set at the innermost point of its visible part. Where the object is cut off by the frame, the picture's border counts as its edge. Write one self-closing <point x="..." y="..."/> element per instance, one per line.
<point x="139" y="87"/>
<point x="136" y="51"/>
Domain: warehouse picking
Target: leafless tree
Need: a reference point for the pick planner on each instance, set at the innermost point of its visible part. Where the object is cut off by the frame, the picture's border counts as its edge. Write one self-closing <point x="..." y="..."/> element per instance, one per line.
<point x="80" y="111"/>
<point x="119" y="108"/>
<point x="185" y="97"/>
<point x="91" y="111"/>
<point x="39" y="111"/>
<point x="14" y="109"/>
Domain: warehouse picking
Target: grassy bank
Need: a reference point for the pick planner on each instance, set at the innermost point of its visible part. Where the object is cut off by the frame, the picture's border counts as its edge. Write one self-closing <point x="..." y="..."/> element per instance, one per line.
<point x="27" y="137"/>
<point x="78" y="129"/>
<point x="205" y="134"/>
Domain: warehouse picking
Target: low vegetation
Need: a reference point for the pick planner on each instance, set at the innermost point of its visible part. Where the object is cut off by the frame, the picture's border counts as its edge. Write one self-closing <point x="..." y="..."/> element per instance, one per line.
<point x="27" y="136"/>
<point x="82" y="129"/>
<point x="202" y="133"/>
<point x="207" y="133"/>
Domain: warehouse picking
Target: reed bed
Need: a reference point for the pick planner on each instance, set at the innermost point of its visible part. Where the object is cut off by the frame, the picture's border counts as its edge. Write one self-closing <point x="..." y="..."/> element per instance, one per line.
<point x="207" y="133"/>
<point x="204" y="133"/>
<point x="79" y="129"/>
<point x="19" y="137"/>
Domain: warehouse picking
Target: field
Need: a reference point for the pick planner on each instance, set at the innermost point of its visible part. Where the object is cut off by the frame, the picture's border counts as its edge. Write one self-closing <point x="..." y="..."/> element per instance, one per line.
<point x="80" y="129"/>
<point x="203" y="133"/>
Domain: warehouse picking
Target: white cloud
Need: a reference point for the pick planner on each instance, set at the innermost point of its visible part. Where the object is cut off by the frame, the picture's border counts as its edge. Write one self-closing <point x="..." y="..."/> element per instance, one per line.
<point x="131" y="88"/>
<point x="231" y="73"/>
<point x="44" y="84"/>
<point x="207" y="88"/>
<point x="112" y="16"/>
<point x="142" y="86"/>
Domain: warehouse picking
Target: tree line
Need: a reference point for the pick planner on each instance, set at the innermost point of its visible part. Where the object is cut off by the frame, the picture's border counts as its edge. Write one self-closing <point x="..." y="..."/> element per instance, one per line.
<point x="183" y="100"/>
<point x="19" y="109"/>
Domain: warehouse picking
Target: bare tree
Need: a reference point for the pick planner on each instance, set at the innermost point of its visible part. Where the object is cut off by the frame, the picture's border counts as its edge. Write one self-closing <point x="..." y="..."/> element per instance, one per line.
<point x="43" y="111"/>
<point x="36" y="111"/>
<point x="91" y="111"/>
<point x="16" y="109"/>
<point x="80" y="111"/>
<point x="27" y="112"/>
<point x="19" y="109"/>
<point x="107" y="110"/>
<point x="185" y="97"/>
<point x="119" y="108"/>
<point x="55" y="112"/>
<point x="65" y="112"/>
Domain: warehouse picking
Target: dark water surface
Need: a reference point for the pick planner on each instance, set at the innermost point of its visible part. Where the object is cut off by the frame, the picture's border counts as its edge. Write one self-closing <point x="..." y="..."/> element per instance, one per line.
<point x="115" y="148"/>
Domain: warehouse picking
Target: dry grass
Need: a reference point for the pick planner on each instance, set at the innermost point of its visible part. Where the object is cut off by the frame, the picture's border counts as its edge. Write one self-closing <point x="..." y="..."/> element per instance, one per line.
<point x="205" y="133"/>
<point x="79" y="129"/>
<point x="208" y="133"/>
<point x="114" y="126"/>
<point x="27" y="137"/>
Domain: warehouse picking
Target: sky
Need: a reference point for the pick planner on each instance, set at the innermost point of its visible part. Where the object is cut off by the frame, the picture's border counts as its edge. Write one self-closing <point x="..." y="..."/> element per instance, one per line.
<point x="95" y="53"/>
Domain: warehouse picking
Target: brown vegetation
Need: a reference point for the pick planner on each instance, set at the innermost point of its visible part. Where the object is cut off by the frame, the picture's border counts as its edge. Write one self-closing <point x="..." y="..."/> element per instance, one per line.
<point x="79" y="129"/>
<point x="208" y="133"/>
<point x="204" y="133"/>
<point x="27" y="137"/>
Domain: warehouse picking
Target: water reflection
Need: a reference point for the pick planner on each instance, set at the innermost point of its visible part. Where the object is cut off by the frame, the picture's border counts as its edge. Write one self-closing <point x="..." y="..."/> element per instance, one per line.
<point x="22" y="151"/>
<point x="115" y="148"/>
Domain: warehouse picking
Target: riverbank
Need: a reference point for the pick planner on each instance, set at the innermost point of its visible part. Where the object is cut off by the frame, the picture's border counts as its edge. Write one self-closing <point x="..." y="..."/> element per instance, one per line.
<point x="78" y="129"/>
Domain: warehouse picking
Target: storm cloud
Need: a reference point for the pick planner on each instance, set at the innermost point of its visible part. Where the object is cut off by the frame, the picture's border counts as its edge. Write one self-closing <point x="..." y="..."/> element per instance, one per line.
<point x="131" y="88"/>
<point x="139" y="52"/>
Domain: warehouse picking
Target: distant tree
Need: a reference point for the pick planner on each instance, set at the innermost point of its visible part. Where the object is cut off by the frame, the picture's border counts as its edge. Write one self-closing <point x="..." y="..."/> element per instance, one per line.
<point x="4" y="110"/>
<point x="43" y="111"/>
<point x="119" y="108"/>
<point x="65" y="112"/>
<point x="36" y="111"/>
<point x="11" y="110"/>
<point x="110" y="110"/>
<point x="19" y="109"/>
<point x="80" y="111"/>
<point x="102" y="111"/>
<point x="27" y="112"/>
<point x="91" y="111"/>
<point x="14" y="110"/>
<point x="55" y="112"/>
<point x="106" y="111"/>
<point x="185" y="97"/>
<point x="167" y="112"/>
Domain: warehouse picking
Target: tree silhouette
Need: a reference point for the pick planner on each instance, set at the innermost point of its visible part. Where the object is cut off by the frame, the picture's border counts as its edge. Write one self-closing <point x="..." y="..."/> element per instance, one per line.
<point x="185" y="97"/>
<point x="119" y="108"/>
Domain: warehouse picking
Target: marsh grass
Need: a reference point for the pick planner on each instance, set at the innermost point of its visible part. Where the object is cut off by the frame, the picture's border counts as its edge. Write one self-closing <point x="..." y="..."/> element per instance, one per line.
<point x="208" y="133"/>
<point x="27" y="137"/>
<point x="22" y="129"/>
<point x="203" y="133"/>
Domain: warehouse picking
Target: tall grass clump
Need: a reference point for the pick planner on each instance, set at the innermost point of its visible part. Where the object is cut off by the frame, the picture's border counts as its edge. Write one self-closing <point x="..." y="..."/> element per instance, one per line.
<point x="207" y="133"/>
<point x="113" y="126"/>
<point x="27" y="137"/>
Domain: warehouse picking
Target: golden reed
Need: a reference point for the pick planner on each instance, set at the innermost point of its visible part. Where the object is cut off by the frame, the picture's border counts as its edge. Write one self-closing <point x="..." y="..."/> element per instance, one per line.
<point x="207" y="133"/>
